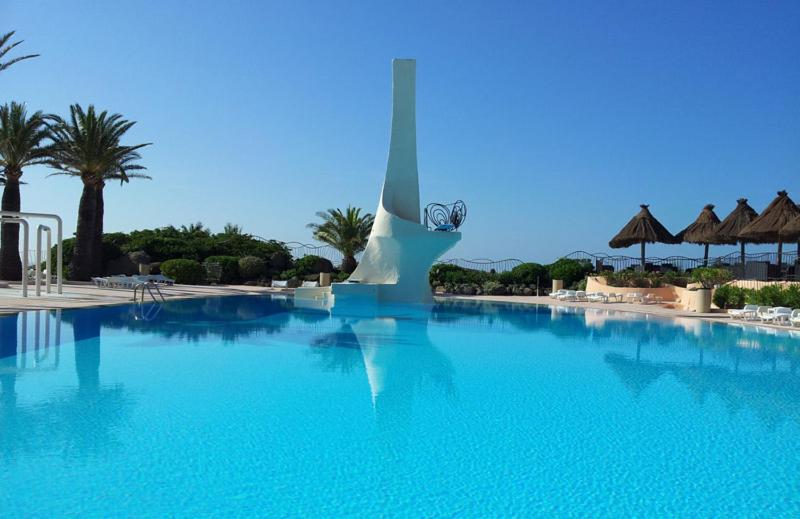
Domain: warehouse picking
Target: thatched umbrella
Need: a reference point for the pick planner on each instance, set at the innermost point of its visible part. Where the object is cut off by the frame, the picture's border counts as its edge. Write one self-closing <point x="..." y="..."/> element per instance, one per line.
<point x="791" y="231"/>
<point x="704" y="231"/>
<point x="643" y="228"/>
<point x="767" y="227"/>
<point x="734" y="223"/>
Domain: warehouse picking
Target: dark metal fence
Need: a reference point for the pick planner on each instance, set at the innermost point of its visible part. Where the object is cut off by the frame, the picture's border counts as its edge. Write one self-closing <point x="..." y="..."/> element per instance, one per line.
<point x="757" y="266"/>
<point x="760" y="265"/>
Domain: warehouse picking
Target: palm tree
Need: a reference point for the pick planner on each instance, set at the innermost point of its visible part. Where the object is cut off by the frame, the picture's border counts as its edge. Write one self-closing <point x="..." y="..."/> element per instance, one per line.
<point x="5" y="48"/>
<point x="346" y="232"/>
<point x="88" y="147"/>
<point x="21" y="144"/>
<point x="231" y="228"/>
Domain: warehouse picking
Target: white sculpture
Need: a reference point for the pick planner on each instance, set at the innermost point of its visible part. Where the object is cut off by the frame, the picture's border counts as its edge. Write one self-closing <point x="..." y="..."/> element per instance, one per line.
<point x="401" y="250"/>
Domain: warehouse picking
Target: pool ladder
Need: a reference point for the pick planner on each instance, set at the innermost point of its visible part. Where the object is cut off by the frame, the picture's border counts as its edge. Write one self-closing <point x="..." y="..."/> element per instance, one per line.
<point x="149" y="286"/>
<point x="152" y="311"/>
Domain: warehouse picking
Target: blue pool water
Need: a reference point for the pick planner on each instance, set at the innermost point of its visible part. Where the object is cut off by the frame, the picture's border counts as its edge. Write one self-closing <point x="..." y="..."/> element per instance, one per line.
<point x="249" y="406"/>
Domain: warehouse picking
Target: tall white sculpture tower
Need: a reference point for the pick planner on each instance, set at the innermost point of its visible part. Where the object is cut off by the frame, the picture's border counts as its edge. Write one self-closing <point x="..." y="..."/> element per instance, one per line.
<point x="401" y="250"/>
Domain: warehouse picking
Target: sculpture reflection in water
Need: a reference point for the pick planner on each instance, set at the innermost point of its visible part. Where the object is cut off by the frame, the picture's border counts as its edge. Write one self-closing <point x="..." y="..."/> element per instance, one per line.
<point x="392" y="347"/>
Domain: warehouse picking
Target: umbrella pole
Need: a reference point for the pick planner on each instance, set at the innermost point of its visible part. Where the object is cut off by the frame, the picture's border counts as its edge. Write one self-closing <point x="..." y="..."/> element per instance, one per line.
<point x="741" y="244"/>
<point x="780" y="255"/>
<point x="705" y="256"/>
<point x="642" y="256"/>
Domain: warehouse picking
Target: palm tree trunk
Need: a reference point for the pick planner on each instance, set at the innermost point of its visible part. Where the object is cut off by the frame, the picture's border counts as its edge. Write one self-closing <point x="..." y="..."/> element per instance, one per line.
<point x="80" y="267"/>
<point x="97" y="245"/>
<point x="10" y="262"/>
<point x="349" y="264"/>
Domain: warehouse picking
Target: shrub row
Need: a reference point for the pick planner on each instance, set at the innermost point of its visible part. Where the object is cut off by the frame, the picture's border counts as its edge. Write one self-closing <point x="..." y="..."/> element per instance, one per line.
<point x="526" y="274"/>
<point x="231" y="270"/>
<point x="729" y="296"/>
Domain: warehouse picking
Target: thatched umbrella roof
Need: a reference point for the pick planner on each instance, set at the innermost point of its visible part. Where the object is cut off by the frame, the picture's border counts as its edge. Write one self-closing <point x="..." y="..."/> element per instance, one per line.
<point x="643" y="228"/>
<point x="705" y="229"/>
<point x="736" y="221"/>
<point x="791" y="231"/>
<point x="767" y="227"/>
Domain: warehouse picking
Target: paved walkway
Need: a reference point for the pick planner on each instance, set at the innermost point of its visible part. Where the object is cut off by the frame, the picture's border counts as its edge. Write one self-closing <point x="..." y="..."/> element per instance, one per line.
<point x="663" y="310"/>
<point x="80" y="295"/>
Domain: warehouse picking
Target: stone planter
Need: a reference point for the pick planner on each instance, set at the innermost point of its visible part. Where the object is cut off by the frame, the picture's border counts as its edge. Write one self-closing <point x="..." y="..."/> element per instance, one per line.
<point x="558" y="284"/>
<point x="702" y="300"/>
<point x="144" y="269"/>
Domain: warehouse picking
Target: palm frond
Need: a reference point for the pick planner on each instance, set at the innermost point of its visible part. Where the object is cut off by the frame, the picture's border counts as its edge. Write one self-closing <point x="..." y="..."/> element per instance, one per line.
<point x="5" y="48"/>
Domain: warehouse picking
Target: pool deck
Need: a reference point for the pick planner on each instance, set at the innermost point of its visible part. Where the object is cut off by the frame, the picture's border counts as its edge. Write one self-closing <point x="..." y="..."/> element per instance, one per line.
<point x="662" y="310"/>
<point x="82" y="295"/>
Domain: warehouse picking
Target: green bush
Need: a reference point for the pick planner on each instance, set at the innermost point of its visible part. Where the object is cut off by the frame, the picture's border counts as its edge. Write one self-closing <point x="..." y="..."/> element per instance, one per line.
<point x="708" y="277"/>
<point x="443" y="273"/>
<point x="570" y="271"/>
<point x="312" y="265"/>
<point x="229" y="268"/>
<point x="288" y="274"/>
<point x="184" y="271"/>
<point x="280" y="261"/>
<point x="532" y="274"/>
<point x="730" y="296"/>
<point x="338" y="277"/>
<point x="252" y="267"/>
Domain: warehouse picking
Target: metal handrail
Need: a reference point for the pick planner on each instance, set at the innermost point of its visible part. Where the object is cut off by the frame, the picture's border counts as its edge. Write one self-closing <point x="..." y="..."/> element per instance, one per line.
<point x="149" y="286"/>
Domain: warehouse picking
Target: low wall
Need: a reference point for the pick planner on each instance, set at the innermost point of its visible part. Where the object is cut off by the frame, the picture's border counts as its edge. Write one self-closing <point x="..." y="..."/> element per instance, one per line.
<point x="678" y="296"/>
<point x="667" y="293"/>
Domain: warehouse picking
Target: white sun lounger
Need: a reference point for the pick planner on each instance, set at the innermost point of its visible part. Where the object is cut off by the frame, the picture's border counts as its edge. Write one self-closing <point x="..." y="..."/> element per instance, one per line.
<point x="310" y="284"/>
<point x="597" y="297"/>
<point x="557" y="293"/>
<point x="580" y="295"/>
<point x="279" y="284"/>
<point x="652" y="299"/>
<point x="794" y="319"/>
<point x="776" y="315"/>
<point x="569" y="295"/>
<point x="743" y="313"/>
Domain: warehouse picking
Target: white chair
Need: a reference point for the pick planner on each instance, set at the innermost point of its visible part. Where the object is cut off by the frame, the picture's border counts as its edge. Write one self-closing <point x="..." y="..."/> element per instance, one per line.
<point x="161" y="279"/>
<point x="569" y="295"/>
<point x="635" y="297"/>
<point x="743" y="313"/>
<point x="100" y="282"/>
<point x="778" y="314"/>
<point x="580" y="295"/>
<point x="652" y="299"/>
<point x="763" y="311"/>
<point x="597" y="297"/>
<point x="794" y="319"/>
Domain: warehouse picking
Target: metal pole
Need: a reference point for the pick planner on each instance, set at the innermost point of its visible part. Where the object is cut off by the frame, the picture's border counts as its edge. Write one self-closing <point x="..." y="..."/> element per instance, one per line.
<point x="48" y="269"/>
<point x="59" y="238"/>
<point x="25" y="244"/>
<point x="47" y="263"/>
<point x="38" y="270"/>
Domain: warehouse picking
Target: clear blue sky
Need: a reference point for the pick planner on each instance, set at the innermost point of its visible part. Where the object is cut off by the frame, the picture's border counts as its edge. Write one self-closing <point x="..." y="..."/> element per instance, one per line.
<point x="552" y="120"/>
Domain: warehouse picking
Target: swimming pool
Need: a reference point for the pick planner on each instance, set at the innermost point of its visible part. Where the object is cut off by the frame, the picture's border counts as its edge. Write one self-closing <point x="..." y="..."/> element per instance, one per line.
<point x="250" y="406"/>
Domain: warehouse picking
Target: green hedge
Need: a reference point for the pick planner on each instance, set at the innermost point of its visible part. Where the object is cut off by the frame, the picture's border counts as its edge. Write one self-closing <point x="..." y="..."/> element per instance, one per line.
<point x="729" y="296"/>
<point x="311" y="264"/>
<point x="252" y="267"/>
<point x="229" y="269"/>
<point x="184" y="271"/>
